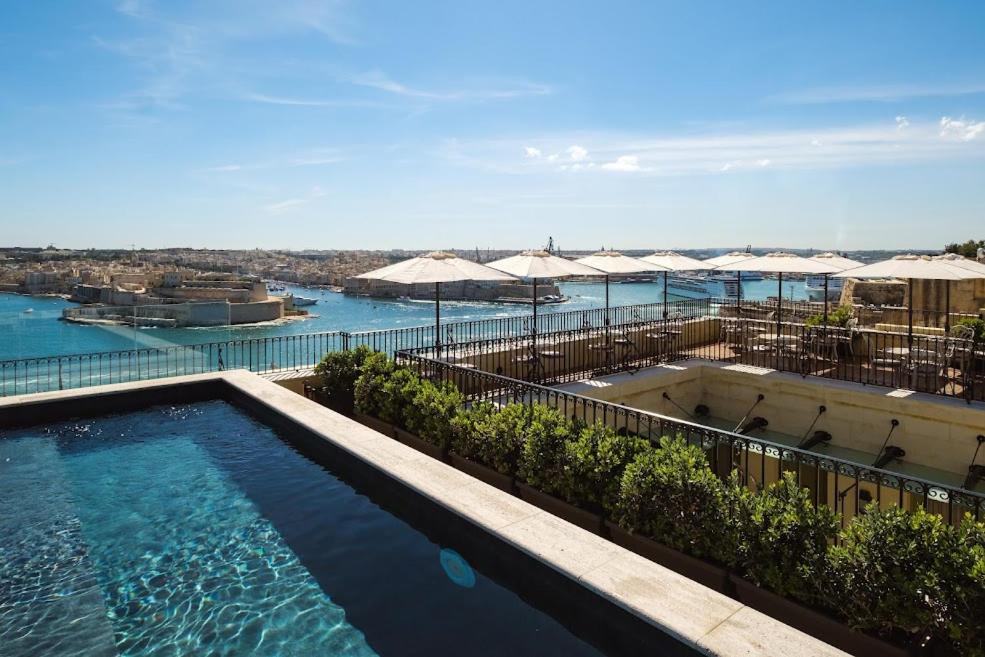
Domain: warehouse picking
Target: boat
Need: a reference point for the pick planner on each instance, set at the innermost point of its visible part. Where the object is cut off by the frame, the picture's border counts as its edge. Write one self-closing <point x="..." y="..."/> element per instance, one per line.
<point x="304" y="301"/>
<point x="814" y="286"/>
<point x="702" y="286"/>
<point x="28" y="310"/>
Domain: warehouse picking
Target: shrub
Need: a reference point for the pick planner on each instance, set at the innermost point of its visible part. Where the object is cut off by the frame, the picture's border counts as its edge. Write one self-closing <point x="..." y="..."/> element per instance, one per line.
<point x="337" y="373"/>
<point x="543" y="462"/>
<point x="976" y="324"/>
<point x="886" y="576"/>
<point x="671" y="495"/>
<point x="370" y="395"/>
<point x="506" y="437"/>
<point x="598" y="458"/>
<point x="399" y="391"/>
<point x="837" y="317"/>
<point x="786" y="539"/>
<point x="966" y="625"/>
<point x="432" y="410"/>
<point x="471" y="429"/>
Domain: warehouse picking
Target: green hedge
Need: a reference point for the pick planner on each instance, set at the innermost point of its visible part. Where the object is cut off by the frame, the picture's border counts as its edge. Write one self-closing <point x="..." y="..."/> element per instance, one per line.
<point x="892" y="572"/>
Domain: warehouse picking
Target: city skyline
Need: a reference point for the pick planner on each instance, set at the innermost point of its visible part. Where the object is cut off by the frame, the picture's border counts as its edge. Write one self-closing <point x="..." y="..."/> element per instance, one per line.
<point x="339" y="125"/>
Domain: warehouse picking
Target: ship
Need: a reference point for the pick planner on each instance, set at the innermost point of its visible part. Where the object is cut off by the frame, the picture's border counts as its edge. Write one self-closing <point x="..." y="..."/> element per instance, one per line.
<point x="814" y="286"/>
<point x="304" y="301"/>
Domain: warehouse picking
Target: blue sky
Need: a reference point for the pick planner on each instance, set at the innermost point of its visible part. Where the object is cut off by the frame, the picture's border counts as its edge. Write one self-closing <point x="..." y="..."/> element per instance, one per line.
<point x="303" y="124"/>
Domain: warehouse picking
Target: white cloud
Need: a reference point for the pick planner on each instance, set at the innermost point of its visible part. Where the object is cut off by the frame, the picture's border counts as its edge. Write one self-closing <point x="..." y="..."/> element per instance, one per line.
<point x="532" y="152"/>
<point x="577" y="153"/>
<point x="284" y="206"/>
<point x="877" y="93"/>
<point x="627" y="163"/>
<point x="380" y="81"/>
<point x="902" y="122"/>
<point x="751" y="151"/>
<point x="961" y="129"/>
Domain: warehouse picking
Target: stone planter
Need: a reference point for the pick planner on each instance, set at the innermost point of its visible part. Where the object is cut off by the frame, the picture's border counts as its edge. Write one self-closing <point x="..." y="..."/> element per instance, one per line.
<point x="376" y="425"/>
<point x="585" y="519"/>
<point x="419" y="444"/>
<point x="482" y="472"/>
<point x="815" y="623"/>
<point x="712" y="576"/>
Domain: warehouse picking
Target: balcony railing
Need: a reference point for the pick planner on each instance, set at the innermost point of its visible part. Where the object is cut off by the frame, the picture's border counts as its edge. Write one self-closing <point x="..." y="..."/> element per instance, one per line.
<point x="841" y="484"/>
<point x="297" y="352"/>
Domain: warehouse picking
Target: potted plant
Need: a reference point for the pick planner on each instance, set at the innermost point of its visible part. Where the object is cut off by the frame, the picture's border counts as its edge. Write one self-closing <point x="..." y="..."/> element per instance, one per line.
<point x="783" y="559"/>
<point x="471" y="448"/>
<point x="370" y="393"/>
<point x="336" y="378"/>
<point x="672" y="509"/>
<point x="429" y="417"/>
<point x="887" y="576"/>
<point x="546" y="468"/>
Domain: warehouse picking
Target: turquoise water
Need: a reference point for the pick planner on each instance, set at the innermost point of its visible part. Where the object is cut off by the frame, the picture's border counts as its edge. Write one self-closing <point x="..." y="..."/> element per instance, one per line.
<point x="195" y="530"/>
<point x="39" y="333"/>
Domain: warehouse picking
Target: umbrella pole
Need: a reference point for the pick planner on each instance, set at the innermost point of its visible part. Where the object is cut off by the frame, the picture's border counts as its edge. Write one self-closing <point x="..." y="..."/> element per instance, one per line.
<point x="738" y="293"/>
<point x="533" y="328"/>
<point x="947" y="306"/>
<point x="779" y="315"/>
<point x="909" y="340"/>
<point x="437" y="319"/>
<point x="825" y="302"/>
<point x="665" y="294"/>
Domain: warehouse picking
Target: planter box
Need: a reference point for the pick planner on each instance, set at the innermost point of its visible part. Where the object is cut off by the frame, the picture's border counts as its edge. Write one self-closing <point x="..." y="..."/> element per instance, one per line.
<point x="580" y="517"/>
<point x="419" y="444"/>
<point x="482" y="472"/>
<point x="712" y="576"/>
<point x="815" y="623"/>
<point x="379" y="426"/>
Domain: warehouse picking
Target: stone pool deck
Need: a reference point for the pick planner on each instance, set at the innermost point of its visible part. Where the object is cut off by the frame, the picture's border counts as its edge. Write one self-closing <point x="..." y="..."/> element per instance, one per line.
<point x="696" y="616"/>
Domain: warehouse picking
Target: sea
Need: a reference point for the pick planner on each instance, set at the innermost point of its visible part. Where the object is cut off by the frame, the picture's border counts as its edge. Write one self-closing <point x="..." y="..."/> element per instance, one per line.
<point x="30" y="326"/>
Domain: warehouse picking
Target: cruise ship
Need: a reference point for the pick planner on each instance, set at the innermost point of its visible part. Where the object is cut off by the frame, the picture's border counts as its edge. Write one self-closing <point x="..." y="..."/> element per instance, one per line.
<point x="703" y="286"/>
<point x="814" y="286"/>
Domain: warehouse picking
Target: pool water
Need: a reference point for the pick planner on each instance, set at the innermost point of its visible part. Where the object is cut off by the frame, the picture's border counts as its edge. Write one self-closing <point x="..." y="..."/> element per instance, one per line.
<point x="195" y="530"/>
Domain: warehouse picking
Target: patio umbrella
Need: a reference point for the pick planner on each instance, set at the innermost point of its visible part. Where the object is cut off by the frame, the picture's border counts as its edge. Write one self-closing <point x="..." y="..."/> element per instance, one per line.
<point x="782" y="263"/>
<point x="730" y="258"/>
<point x="835" y="260"/>
<point x="535" y="265"/>
<point x="435" y="267"/>
<point x="671" y="261"/>
<point x="912" y="267"/>
<point x="964" y="263"/>
<point x="613" y="262"/>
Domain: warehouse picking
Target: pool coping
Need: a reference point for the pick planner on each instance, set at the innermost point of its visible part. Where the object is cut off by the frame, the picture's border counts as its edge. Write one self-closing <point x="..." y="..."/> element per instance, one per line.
<point x="696" y="616"/>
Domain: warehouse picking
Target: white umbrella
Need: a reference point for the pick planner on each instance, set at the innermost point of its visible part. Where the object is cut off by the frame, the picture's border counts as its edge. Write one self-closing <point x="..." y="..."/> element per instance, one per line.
<point x="835" y="260"/>
<point x="541" y="264"/>
<point x="436" y="267"/>
<point x="672" y="261"/>
<point x="730" y="258"/>
<point x="613" y="262"/>
<point x="782" y="263"/>
<point x="912" y="267"/>
<point x="964" y="263"/>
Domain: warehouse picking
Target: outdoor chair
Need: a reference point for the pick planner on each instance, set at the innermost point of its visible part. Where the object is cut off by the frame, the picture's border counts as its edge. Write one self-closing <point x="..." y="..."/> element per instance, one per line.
<point x="928" y="365"/>
<point x="880" y="362"/>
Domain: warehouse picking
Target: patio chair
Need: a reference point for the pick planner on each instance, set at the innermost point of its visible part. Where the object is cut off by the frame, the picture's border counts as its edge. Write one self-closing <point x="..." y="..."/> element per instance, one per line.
<point x="929" y="364"/>
<point x="961" y="332"/>
<point x="880" y="361"/>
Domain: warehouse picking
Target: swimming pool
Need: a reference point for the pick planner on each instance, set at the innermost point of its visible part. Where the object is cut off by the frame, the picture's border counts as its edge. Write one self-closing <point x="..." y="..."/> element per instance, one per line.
<point x="194" y="529"/>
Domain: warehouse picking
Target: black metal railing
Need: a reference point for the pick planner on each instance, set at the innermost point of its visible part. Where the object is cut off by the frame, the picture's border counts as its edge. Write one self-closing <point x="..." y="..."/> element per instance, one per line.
<point x="295" y="352"/>
<point x="941" y="365"/>
<point x="841" y="484"/>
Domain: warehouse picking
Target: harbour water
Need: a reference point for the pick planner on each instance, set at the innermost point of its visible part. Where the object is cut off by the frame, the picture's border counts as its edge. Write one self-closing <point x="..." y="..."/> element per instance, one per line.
<point x="40" y="333"/>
